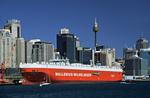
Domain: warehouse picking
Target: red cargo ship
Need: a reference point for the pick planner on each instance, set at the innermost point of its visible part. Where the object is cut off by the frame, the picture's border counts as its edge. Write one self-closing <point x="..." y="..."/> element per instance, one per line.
<point x="63" y="71"/>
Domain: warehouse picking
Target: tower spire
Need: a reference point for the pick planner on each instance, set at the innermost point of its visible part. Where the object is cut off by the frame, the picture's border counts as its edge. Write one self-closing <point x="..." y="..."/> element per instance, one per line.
<point x="95" y="30"/>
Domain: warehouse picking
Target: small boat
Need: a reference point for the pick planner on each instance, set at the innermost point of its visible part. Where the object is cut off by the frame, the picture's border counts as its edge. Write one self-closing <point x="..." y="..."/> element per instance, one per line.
<point x="44" y="84"/>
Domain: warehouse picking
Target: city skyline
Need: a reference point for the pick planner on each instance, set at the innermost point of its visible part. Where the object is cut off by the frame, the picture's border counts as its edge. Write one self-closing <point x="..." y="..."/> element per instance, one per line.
<point x="121" y="22"/>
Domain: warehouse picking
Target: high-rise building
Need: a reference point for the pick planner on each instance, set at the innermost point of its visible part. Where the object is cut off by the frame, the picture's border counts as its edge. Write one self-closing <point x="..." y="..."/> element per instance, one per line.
<point x="28" y="49"/>
<point x="142" y="43"/>
<point x="128" y="53"/>
<point x="20" y="51"/>
<point x="14" y="27"/>
<point x="105" y="56"/>
<point x="136" y="66"/>
<point x="66" y="45"/>
<point x="145" y="54"/>
<point x="16" y="48"/>
<point x="42" y="52"/>
<point x="84" y="55"/>
<point x="5" y="48"/>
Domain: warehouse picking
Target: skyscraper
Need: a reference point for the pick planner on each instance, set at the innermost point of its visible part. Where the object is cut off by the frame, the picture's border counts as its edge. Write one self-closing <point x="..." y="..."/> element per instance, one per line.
<point x="28" y="49"/>
<point x="14" y="27"/>
<point x="66" y="44"/>
<point x="136" y="66"/>
<point x="20" y="51"/>
<point x="5" y="48"/>
<point x="42" y="52"/>
<point x="84" y="55"/>
<point x="105" y="56"/>
<point x="145" y="54"/>
<point x="142" y="43"/>
<point x="128" y="53"/>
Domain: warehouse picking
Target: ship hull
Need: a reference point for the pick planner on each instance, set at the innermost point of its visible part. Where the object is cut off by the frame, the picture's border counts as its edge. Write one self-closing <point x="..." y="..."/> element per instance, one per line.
<point x="39" y="75"/>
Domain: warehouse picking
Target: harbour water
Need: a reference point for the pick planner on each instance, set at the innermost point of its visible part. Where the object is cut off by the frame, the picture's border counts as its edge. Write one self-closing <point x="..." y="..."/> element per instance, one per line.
<point x="74" y="90"/>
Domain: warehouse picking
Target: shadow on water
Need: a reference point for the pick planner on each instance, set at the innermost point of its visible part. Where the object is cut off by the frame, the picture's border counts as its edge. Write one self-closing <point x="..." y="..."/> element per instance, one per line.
<point x="84" y="90"/>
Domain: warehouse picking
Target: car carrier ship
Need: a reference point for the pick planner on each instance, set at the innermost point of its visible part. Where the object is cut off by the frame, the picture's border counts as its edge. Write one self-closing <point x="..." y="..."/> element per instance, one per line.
<point x="61" y="70"/>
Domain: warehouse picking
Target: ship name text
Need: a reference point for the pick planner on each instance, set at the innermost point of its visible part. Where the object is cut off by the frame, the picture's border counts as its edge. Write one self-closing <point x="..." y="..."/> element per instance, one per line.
<point x="73" y="74"/>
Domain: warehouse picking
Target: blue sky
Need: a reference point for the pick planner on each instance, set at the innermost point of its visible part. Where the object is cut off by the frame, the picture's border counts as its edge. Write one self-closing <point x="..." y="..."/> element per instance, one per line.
<point x="121" y="22"/>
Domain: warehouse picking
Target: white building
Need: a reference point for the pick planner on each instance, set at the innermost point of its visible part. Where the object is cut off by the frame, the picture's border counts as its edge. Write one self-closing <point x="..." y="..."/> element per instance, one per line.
<point x="14" y="44"/>
<point x="105" y="56"/>
<point x="28" y="49"/>
<point x="14" y="27"/>
<point x="5" y="47"/>
<point x="20" y="51"/>
<point x="42" y="52"/>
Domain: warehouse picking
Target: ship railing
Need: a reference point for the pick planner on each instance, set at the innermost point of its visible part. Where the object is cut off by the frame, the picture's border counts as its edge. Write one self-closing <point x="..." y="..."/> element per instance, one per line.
<point x="59" y="60"/>
<point x="74" y="65"/>
<point x="58" y="63"/>
<point x="102" y="67"/>
<point x="107" y="67"/>
<point x="80" y="65"/>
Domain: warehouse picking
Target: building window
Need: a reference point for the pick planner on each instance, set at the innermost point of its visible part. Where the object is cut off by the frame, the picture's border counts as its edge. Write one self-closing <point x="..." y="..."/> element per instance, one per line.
<point x="18" y="31"/>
